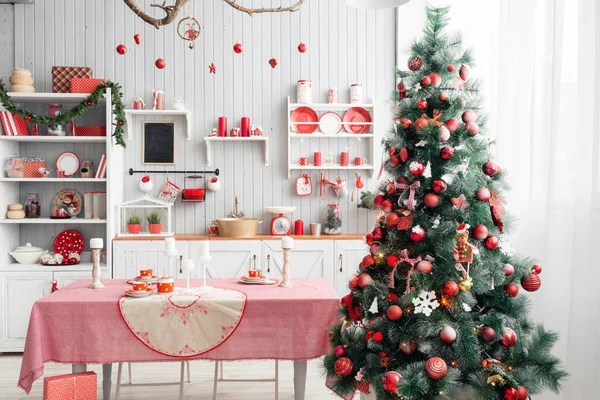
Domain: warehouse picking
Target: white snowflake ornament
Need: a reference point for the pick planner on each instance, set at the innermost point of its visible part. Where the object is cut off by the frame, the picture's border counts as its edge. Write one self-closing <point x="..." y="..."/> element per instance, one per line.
<point x="436" y="222"/>
<point x="425" y="303"/>
<point x="417" y="87"/>
<point x="506" y="247"/>
<point x="466" y="307"/>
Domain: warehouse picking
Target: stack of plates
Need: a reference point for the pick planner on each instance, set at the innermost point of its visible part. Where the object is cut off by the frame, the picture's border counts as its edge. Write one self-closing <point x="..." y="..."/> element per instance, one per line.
<point x="263" y="280"/>
<point x="139" y="293"/>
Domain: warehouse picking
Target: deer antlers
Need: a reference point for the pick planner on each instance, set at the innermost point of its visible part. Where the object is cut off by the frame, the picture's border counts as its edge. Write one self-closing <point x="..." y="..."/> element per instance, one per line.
<point x="173" y="10"/>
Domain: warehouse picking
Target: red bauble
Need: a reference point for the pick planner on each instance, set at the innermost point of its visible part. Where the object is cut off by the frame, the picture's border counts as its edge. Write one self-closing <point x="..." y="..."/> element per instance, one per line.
<point x="511" y="289"/>
<point x="273" y="62"/>
<point x="339" y="351"/>
<point x="490" y="168"/>
<point x="378" y="337"/>
<point x="509" y="338"/>
<point x="392" y="261"/>
<point x="522" y="392"/>
<point x="238" y="48"/>
<point x="488" y="335"/>
<point x="392" y="151"/>
<point x="439" y="186"/>
<point x="417" y="234"/>
<point x="426" y="80"/>
<point x="469" y="116"/>
<point x="422" y="104"/>
<point x="416" y="168"/>
<point x="390" y="381"/>
<point x="531" y="283"/>
<point x="392" y="219"/>
<point x="424" y="267"/>
<point x="450" y="68"/>
<point x="387" y="205"/>
<point x="367" y="261"/>
<point x="364" y="280"/>
<point x="137" y="38"/>
<point x="446" y="153"/>
<point x="463" y="72"/>
<point x="402" y="179"/>
<point x="436" y="79"/>
<point x="443" y="133"/>
<point x="508" y="269"/>
<point x="401" y="90"/>
<point x="403" y="154"/>
<point x="121" y="49"/>
<point x="431" y="200"/>
<point x="491" y="242"/>
<point x="448" y="334"/>
<point x="480" y="232"/>
<point x="405" y="122"/>
<point x="374" y="248"/>
<point x="343" y="366"/>
<point x="483" y="194"/>
<point x="436" y="368"/>
<point x="415" y="63"/>
<point x="394" y="313"/>
<point x="451" y="289"/>
<point x="377" y="233"/>
<point x="378" y="200"/>
<point x="472" y="128"/>
<point x="537" y="268"/>
<point x="302" y="47"/>
<point x="408" y="348"/>
<point x="369" y="238"/>
<point x="421" y="123"/>
<point x="443" y="96"/>
<point x="511" y="394"/>
<point x="353" y="283"/>
<point x="394" y="161"/>
<point x="160" y="63"/>
<point x="452" y="124"/>
<point x="392" y="297"/>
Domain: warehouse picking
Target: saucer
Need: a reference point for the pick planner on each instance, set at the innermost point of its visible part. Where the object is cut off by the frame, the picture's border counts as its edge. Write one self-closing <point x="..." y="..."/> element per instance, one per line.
<point x="265" y="281"/>
<point x="139" y="279"/>
<point x="139" y="293"/>
<point x="247" y="278"/>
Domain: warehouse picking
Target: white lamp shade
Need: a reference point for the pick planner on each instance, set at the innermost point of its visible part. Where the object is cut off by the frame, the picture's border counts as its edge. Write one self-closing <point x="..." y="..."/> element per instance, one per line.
<point x="375" y="4"/>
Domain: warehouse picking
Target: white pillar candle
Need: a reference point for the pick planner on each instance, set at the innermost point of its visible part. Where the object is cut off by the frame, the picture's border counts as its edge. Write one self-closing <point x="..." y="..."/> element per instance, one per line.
<point x="96" y="243"/>
<point x="188" y="265"/>
<point x="170" y="243"/>
<point x="287" y="242"/>
<point x="204" y="248"/>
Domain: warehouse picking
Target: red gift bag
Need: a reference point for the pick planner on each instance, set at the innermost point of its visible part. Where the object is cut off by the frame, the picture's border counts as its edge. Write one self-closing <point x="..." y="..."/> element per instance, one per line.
<point x="71" y="386"/>
<point x="13" y="124"/>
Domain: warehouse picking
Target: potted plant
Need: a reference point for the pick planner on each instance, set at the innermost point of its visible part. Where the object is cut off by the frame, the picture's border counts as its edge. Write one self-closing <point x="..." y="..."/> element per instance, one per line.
<point x="154" y="225"/>
<point x="134" y="225"/>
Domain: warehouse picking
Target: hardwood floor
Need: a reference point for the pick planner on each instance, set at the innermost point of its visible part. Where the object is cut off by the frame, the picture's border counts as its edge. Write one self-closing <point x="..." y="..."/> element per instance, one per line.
<point x="200" y="387"/>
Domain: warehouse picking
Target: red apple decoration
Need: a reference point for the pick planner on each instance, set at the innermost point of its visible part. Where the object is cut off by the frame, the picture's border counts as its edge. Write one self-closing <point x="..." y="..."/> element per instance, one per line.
<point x="431" y="200"/>
<point x="238" y="48"/>
<point x="511" y="289"/>
<point x="302" y="47"/>
<point x="452" y="125"/>
<point x="480" y="232"/>
<point x="417" y="234"/>
<point x="160" y="63"/>
<point x="451" y="289"/>
<point x="394" y="313"/>
<point x="137" y="38"/>
<point x="483" y="194"/>
<point x="121" y="49"/>
<point x="509" y="338"/>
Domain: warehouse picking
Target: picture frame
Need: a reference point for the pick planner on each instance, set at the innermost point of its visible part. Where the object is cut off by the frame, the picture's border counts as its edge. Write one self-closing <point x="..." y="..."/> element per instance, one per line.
<point x="158" y="142"/>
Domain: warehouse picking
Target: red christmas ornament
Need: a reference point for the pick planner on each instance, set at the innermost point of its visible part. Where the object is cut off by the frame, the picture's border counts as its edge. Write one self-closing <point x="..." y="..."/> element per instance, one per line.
<point x="490" y="168"/>
<point x="439" y="186"/>
<point x="488" y="335"/>
<point x="417" y="234"/>
<point x="511" y="289"/>
<point x="364" y="280"/>
<point x="405" y="122"/>
<point x="448" y="334"/>
<point x="137" y="38"/>
<point x="491" y="242"/>
<point x="483" y="194"/>
<point x="416" y="168"/>
<point x="368" y="260"/>
<point x="403" y="154"/>
<point x="160" y="63"/>
<point x="392" y="297"/>
<point x="443" y="96"/>
<point x="339" y="351"/>
<point x="387" y="205"/>
<point x="424" y="267"/>
<point x="394" y="313"/>
<point x="436" y="79"/>
<point x="421" y="123"/>
<point x="463" y="72"/>
<point x="392" y="151"/>
<point x="212" y="69"/>
<point x="426" y="80"/>
<point x="121" y="49"/>
<point x="394" y="161"/>
<point x="392" y="219"/>
<point x="537" y="268"/>
<point x="390" y="381"/>
<point x="402" y="179"/>
<point x="378" y="337"/>
<point x="374" y="248"/>
<point x="511" y="394"/>
<point x="436" y="368"/>
<point x="377" y="233"/>
<point x="508" y="269"/>
<point x="273" y="62"/>
<point x="343" y="366"/>
<point x="472" y="128"/>
<point x="401" y="90"/>
<point x="353" y="283"/>
<point x="415" y="63"/>
<point x="522" y="392"/>
<point x="451" y="289"/>
<point x="422" y="104"/>
<point x="443" y="133"/>
<point x="369" y="238"/>
<point x="146" y="178"/>
<point x="408" y="348"/>
<point x="531" y="283"/>
<point x="469" y="116"/>
<point x="431" y="200"/>
<point x="73" y="260"/>
<point x="509" y="338"/>
<point x="450" y="68"/>
<point x="480" y="232"/>
<point x="378" y="200"/>
<point x="446" y="153"/>
<point x="392" y="261"/>
<point x="238" y="48"/>
<point x="302" y="47"/>
<point x="452" y="125"/>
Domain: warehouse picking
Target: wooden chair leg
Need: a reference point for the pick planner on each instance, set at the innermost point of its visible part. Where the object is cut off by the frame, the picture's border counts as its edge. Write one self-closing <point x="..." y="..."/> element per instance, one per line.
<point x="221" y="369"/>
<point x="215" y="380"/>
<point x="118" y="392"/>
<point x="181" y="381"/>
<point x="187" y="363"/>
<point x="129" y="372"/>
<point x="276" y="379"/>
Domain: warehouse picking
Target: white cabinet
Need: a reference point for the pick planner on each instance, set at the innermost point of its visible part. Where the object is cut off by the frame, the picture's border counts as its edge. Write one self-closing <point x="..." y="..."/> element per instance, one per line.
<point x="229" y="258"/>
<point x="18" y="292"/>
<point x="348" y="254"/>
<point x="129" y="256"/>
<point x="309" y="259"/>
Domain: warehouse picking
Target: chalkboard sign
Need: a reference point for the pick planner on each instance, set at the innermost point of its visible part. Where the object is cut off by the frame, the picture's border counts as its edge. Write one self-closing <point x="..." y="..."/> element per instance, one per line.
<point x="158" y="147"/>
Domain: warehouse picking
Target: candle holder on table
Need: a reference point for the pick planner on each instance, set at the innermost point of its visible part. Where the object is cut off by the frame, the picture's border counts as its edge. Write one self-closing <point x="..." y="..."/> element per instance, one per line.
<point x="171" y="254"/>
<point x="287" y="243"/>
<point x="205" y="263"/>
<point x="96" y="245"/>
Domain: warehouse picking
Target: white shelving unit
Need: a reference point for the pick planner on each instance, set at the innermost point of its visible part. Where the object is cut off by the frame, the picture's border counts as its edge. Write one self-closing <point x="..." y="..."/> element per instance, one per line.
<point x="68" y="221"/>
<point x="53" y="180"/>
<point x="208" y="141"/>
<point x="340" y="108"/>
<point x="186" y="113"/>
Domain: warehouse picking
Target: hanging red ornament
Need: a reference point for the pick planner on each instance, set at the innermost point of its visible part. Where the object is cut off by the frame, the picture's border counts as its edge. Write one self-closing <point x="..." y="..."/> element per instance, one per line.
<point x="377" y="234"/>
<point x="343" y="366"/>
<point x="509" y="338"/>
<point x="302" y="47"/>
<point x="339" y="351"/>
<point x="121" y="49"/>
<point x="469" y="116"/>
<point x="436" y="368"/>
<point x="394" y="313"/>
<point x="378" y="337"/>
<point x="511" y="289"/>
<point x="421" y="123"/>
<point x="390" y="381"/>
<point x="522" y="392"/>
<point x="443" y="96"/>
<point x="448" y="334"/>
<point x="353" y="282"/>
<point x="446" y="153"/>
<point x="531" y="283"/>
<point x="367" y="261"/>
<point x="374" y="248"/>
<point x="511" y="394"/>
<point x="496" y="217"/>
<point x="392" y="261"/>
<point x="273" y="62"/>
<point x="450" y="68"/>
<point x="537" y="269"/>
<point x="490" y="168"/>
<point x="369" y="238"/>
<point x="488" y="335"/>
<point x="424" y="267"/>
<point x="405" y="123"/>
<point x="392" y="297"/>
<point x="401" y="90"/>
<point x="443" y="133"/>
<point x="508" y="269"/>
<point x="394" y="161"/>
<point x="439" y="186"/>
<point x="391" y="188"/>
<point x="364" y="280"/>
<point x="378" y="200"/>
<point x="426" y="80"/>
<point x="415" y="63"/>
<point x="463" y="72"/>
<point x="160" y="63"/>
<point x="238" y="48"/>
<point x="422" y="104"/>
<point x="417" y="234"/>
<point x="436" y="79"/>
<point x="431" y="200"/>
<point x="451" y="289"/>
<point x="483" y="194"/>
<point x="392" y="219"/>
<point x="137" y="38"/>
<point x="402" y="179"/>
<point x="491" y="242"/>
<point x="408" y="348"/>
<point x="480" y="232"/>
<point x="212" y="69"/>
<point x="452" y="125"/>
<point x="416" y="168"/>
<point x="472" y="128"/>
<point x="387" y="205"/>
<point x="403" y="154"/>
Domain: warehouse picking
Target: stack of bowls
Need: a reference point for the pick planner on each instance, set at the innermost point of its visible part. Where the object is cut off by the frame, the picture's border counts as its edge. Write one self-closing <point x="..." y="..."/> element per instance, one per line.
<point x="21" y="80"/>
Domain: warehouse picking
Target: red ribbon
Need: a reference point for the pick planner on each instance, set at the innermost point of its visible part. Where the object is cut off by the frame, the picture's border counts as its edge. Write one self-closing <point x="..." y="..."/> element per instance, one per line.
<point x="410" y="203"/>
<point x="404" y="258"/>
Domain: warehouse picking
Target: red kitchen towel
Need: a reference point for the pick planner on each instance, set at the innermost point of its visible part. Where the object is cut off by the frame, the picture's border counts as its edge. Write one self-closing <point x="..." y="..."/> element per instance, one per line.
<point x="13" y="124"/>
<point x="85" y="85"/>
<point x="62" y="76"/>
<point x="71" y="386"/>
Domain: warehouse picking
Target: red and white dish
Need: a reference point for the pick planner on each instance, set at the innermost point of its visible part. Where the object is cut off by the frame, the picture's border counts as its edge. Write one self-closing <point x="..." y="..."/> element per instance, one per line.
<point x="67" y="242"/>
<point x="150" y="281"/>
<point x="356" y="115"/>
<point x="330" y="123"/>
<point x="139" y="293"/>
<point x="68" y="162"/>
<point x="266" y="281"/>
<point x="249" y="279"/>
<point x="304" y="114"/>
<point x="71" y="196"/>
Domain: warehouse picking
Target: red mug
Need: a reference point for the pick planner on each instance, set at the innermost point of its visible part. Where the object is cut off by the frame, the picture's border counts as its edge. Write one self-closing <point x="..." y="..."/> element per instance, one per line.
<point x="303" y="161"/>
<point x="254" y="273"/>
<point x="140" y="286"/>
<point x="146" y="272"/>
<point x="359" y="161"/>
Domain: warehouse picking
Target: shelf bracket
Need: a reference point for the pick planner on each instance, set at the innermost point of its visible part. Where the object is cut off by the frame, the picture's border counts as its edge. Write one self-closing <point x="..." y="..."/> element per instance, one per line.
<point x="188" y="122"/>
<point x="266" y="151"/>
<point x="129" y="128"/>
<point x="208" y="152"/>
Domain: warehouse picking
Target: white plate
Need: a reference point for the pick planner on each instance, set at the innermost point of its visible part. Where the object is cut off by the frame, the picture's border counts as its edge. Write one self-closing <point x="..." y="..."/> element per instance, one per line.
<point x="330" y="123"/>
<point x="68" y="162"/>
<point x="261" y="282"/>
<point x="139" y="293"/>
<point x="280" y="209"/>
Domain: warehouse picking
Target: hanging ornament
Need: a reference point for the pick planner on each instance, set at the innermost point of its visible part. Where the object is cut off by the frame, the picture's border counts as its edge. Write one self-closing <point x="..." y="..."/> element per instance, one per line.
<point x="443" y="133"/>
<point x="459" y="202"/>
<point x="390" y="381"/>
<point x="421" y="123"/>
<point x="436" y="368"/>
<point x="273" y="62"/>
<point x="508" y="269"/>
<point x="374" y="309"/>
<point x="425" y="267"/>
<point x="469" y="116"/>
<point x="436" y="79"/>
<point x="377" y="233"/>
<point x="160" y="63"/>
<point x="446" y="153"/>
<point x="353" y="282"/>
<point x="339" y="351"/>
<point x="463" y="250"/>
<point x="463" y="72"/>
<point x="472" y="128"/>
<point x="537" y="269"/>
<point x="488" y="335"/>
<point x="137" y="38"/>
<point x="480" y="232"/>
<point x="302" y="47"/>
<point x="188" y="29"/>
<point x="450" y="68"/>
<point x="511" y="393"/>
<point x="387" y="205"/>
<point x="343" y="366"/>
<point x="238" y="48"/>
<point x="426" y="80"/>
<point x="212" y="69"/>
<point x="415" y="63"/>
<point x="522" y="392"/>
<point x="491" y="242"/>
<point x="392" y="297"/>
<point x="364" y="280"/>
<point x="425" y="303"/>
<point x="121" y="49"/>
<point x="465" y="284"/>
<point x="451" y="124"/>
<point x="401" y="90"/>
<point x="443" y="96"/>
<point x="394" y="313"/>
<point x="405" y="123"/>
<point x="448" y="334"/>
<point x="421" y="104"/>
<point x="511" y="289"/>
<point x="451" y="289"/>
<point x="408" y="348"/>
<point x="490" y="168"/>
<point x="531" y="283"/>
<point x="431" y="200"/>
<point x="509" y="338"/>
<point x="483" y="194"/>
<point x="416" y="168"/>
<point x="417" y="234"/>
<point x="439" y="186"/>
<point x="403" y="154"/>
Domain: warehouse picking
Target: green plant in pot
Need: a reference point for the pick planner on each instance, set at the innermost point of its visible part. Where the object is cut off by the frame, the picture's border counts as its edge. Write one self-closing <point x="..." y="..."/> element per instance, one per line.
<point x="134" y="225"/>
<point x="154" y="225"/>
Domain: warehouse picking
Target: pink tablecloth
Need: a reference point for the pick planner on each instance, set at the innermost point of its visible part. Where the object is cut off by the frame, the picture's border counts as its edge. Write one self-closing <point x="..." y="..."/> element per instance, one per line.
<point x="78" y="325"/>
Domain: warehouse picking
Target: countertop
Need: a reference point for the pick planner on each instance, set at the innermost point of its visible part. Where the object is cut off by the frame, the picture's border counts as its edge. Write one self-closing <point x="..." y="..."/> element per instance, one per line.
<point x="257" y="237"/>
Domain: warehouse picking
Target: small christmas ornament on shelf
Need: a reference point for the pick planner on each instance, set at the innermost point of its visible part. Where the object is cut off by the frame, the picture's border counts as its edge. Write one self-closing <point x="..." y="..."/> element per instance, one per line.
<point x="333" y="220"/>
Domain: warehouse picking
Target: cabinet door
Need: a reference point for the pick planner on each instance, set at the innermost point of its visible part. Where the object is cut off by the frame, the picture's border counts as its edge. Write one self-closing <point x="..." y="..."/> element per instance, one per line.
<point x="308" y="259"/>
<point x="229" y="258"/>
<point x="18" y="292"/>
<point x="348" y="254"/>
<point x="129" y="256"/>
<point x="63" y="278"/>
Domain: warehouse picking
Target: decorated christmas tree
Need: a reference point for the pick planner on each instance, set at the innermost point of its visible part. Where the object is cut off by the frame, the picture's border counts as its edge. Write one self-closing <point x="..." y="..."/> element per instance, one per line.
<point x="436" y="310"/>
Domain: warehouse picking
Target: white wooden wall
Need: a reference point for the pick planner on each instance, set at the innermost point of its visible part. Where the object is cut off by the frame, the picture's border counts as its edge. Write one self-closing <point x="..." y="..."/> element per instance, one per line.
<point x="345" y="46"/>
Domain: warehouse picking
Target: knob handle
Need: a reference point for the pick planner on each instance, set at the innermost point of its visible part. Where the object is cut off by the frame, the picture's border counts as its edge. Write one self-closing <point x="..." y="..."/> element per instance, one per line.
<point x="341" y="264"/>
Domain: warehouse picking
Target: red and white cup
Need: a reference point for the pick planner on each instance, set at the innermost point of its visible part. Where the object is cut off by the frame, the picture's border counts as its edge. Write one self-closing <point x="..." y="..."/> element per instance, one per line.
<point x="138" y="103"/>
<point x="303" y="161"/>
<point x="222" y="132"/>
<point x="359" y="161"/>
<point x="254" y="273"/>
<point x="332" y="95"/>
<point x="304" y="91"/>
<point x="140" y="286"/>
<point x="356" y="93"/>
<point x="158" y="97"/>
<point x="317" y="158"/>
<point x="344" y="158"/>
<point x="146" y="273"/>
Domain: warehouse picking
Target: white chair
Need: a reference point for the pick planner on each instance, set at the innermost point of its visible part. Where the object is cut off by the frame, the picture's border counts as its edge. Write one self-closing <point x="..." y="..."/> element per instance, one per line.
<point x="219" y="378"/>
<point x="184" y="365"/>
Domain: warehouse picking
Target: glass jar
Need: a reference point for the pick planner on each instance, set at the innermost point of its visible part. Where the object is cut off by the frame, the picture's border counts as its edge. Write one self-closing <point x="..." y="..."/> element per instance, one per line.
<point x="14" y="167"/>
<point x="87" y="169"/>
<point x="32" y="206"/>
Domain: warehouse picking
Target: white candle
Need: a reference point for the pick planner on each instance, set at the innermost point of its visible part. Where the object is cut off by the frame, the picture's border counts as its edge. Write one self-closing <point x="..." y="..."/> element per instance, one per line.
<point x="204" y="248"/>
<point x="188" y="265"/>
<point x="287" y="242"/>
<point x="96" y="243"/>
<point x="170" y="243"/>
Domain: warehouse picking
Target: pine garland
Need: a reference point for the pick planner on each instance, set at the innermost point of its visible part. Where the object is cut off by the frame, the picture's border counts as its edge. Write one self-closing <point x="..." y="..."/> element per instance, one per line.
<point x="75" y="112"/>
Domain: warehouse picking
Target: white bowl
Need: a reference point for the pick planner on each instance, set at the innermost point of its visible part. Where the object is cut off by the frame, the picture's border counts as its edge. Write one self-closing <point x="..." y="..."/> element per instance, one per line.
<point x="27" y="254"/>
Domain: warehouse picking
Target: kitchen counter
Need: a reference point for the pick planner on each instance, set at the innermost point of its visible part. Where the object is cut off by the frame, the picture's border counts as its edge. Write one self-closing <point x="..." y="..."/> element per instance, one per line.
<point x="257" y="237"/>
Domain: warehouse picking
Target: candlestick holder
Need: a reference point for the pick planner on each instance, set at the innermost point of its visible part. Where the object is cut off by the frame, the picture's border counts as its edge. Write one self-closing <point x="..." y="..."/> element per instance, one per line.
<point x="285" y="282"/>
<point x="96" y="284"/>
<point x="171" y="255"/>
<point x="205" y="263"/>
<point x="187" y="267"/>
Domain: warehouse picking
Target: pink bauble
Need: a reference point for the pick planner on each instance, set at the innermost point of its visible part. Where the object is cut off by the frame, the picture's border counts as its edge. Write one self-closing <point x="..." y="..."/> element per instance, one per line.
<point x="374" y="248"/>
<point x="436" y="368"/>
<point x="426" y="80"/>
<point x="443" y="96"/>
<point x="488" y="335"/>
<point x="469" y="116"/>
<point x="490" y="168"/>
<point x="364" y="280"/>
<point x="417" y="234"/>
<point x="424" y="267"/>
<point x="508" y="269"/>
<point x="480" y="232"/>
<point x="443" y="133"/>
<point x="472" y="128"/>
<point x="339" y="351"/>
<point x="452" y="124"/>
<point x="448" y="334"/>
<point x="450" y="68"/>
<point x="483" y="194"/>
<point x="509" y="338"/>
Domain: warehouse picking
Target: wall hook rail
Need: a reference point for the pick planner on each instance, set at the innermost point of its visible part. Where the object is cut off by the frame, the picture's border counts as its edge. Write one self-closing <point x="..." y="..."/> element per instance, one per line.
<point x="215" y="171"/>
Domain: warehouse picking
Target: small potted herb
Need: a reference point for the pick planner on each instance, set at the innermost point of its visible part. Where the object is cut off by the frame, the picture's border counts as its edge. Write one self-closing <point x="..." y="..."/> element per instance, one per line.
<point x="134" y="225"/>
<point x="154" y="225"/>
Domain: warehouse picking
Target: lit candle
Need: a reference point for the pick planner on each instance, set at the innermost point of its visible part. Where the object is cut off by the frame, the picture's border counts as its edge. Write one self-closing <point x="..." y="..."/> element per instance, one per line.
<point x="96" y="243"/>
<point x="170" y="243"/>
<point x="204" y="248"/>
<point x="287" y="242"/>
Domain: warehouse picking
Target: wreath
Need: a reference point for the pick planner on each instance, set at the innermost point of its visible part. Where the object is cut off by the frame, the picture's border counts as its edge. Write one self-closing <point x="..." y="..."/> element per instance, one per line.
<point x="75" y="112"/>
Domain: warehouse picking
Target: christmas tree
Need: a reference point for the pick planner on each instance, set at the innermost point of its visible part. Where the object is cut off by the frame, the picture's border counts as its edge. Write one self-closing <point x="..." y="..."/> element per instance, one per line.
<point x="435" y="310"/>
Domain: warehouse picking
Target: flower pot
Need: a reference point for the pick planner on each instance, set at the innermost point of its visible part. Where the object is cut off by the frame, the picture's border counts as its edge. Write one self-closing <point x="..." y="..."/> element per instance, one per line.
<point x="134" y="228"/>
<point x="213" y="184"/>
<point x="155" y="229"/>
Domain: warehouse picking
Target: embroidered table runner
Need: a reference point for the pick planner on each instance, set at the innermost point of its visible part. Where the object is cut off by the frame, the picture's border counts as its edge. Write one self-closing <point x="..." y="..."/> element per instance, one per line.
<point x="184" y="325"/>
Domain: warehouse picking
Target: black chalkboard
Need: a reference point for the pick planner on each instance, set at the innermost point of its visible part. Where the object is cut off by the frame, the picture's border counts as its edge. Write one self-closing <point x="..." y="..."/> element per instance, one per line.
<point x="158" y="146"/>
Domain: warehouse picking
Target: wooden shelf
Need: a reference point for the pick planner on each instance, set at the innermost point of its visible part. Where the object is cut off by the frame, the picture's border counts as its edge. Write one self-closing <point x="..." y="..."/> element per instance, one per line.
<point x="209" y="139"/>
<point x="58" y="98"/>
<point x="95" y="180"/>
<point x="82" y="266"/>
<point x="55" y="139"/>
<point x="331" y="166"/>
<point x="185" y="113"/>
<point x="69" y="221"/>
<point x="321" y="135"/>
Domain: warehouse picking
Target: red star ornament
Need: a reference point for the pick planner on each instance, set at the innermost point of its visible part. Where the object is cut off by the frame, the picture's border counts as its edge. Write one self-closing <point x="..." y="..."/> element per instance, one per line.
<point x="460" y="202"/>
<point x="212" y="69"/>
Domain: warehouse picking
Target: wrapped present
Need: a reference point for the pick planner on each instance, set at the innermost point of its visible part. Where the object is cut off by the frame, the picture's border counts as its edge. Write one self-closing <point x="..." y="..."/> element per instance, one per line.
<point x="85" y="85"/>
<point x="13" y="124"/>
<point x="62" y="76"/>
<point x="33" y="167"/>
<point x="90" y="130"/>
<point x="71" y="386"/>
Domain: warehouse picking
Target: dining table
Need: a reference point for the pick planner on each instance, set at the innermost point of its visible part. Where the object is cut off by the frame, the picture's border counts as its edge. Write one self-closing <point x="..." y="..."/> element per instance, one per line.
<point x="78" y="325"/>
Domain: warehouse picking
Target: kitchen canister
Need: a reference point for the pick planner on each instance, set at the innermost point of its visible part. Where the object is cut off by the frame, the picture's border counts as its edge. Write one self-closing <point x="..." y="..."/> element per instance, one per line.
<point x="304" y="91"/>
<point x="356" y="93"/>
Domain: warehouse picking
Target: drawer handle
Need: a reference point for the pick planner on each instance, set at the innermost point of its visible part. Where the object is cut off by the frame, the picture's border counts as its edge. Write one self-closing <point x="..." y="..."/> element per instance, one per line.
<point x="341" y="264"/>
<point x="268" y="263"/>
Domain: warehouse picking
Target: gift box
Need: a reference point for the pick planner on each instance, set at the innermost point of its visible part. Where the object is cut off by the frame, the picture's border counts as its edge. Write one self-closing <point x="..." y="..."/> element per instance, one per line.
<point x="31" y="169"/>
<point x="71" y="386"/>
<point x="85" y="85"/>
<point x="13" y="124"/>
<point x="90" y="130"/>
<point x="62" y="76"/>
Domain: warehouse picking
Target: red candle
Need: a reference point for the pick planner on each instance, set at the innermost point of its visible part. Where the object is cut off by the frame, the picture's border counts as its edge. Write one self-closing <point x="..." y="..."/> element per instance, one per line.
<point x="299" y="227"/>
<point x="317" y="159"/>
<point x="344" y="158"/>
<point x="222" y="126"/>
<point x="245" y="126"/>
